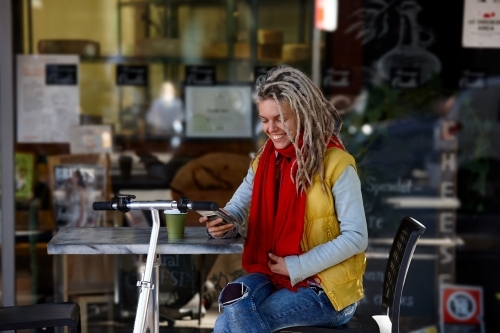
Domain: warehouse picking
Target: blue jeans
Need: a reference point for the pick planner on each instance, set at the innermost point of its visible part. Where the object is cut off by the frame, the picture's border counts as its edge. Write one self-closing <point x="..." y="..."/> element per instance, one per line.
<point x="262" y="308"/>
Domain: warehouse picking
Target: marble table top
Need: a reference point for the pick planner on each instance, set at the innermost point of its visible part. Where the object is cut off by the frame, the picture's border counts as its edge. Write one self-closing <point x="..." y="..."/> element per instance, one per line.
<point x="128" y="240"/>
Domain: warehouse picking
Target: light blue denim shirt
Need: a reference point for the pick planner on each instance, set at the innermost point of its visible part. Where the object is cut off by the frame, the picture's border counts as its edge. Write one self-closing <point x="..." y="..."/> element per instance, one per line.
<point x="353" y="238"/>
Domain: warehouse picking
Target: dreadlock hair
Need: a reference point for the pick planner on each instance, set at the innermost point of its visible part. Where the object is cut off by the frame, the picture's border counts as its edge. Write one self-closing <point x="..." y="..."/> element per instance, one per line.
<point x="317" y="118"/>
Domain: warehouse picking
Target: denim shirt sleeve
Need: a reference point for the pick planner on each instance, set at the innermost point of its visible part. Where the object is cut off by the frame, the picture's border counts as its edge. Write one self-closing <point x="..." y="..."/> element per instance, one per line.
<point x="353" y="238"/>
<point x="239" y="206"/>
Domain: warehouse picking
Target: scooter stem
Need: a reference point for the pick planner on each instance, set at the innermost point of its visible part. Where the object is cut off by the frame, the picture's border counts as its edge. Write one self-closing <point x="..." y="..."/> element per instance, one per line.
<point x="145" y="284"/>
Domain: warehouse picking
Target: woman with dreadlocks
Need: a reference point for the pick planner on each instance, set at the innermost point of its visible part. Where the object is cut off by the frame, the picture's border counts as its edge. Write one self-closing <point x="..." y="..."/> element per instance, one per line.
<point x="301" y="211"/>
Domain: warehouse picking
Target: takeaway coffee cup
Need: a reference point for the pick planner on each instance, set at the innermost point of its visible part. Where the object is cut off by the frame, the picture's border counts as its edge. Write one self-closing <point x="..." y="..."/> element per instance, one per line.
<point x="175" y="221"/>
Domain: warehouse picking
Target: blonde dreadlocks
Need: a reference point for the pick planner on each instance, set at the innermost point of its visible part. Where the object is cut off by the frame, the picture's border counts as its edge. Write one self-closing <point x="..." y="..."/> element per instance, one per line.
<point x="317" y="119"/>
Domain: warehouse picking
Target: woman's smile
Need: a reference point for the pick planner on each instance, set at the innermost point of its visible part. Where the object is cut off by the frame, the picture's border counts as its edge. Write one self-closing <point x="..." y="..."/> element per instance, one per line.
<point x="278" y="137"/>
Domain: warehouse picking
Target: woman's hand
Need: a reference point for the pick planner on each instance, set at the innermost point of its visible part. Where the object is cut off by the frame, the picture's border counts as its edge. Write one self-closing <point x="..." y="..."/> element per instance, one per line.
<point x="277" y="265"/>
<point x="215" y="227"/>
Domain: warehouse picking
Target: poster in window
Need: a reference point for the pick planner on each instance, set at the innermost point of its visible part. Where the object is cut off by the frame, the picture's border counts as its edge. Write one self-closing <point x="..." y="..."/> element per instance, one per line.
<point x="24" y="175"/>
<point x="76" y="187"/>
<point x="481" y="24"/>
<point x="76" y="181"/>
<point x="222" y="111"/>
<point x="48" y="97"/>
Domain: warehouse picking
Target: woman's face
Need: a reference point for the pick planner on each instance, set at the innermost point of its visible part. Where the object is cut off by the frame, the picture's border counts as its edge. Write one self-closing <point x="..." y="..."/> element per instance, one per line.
<point x="271" y="122"/>
<point x="74" y="178"/>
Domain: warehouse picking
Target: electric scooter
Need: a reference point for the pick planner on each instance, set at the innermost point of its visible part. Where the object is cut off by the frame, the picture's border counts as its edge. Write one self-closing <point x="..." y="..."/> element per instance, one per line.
<point x="124" y="203"/>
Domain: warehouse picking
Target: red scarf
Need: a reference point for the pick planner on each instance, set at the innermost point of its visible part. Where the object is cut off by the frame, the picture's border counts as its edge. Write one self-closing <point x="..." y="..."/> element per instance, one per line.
<point x="275" y="228"/>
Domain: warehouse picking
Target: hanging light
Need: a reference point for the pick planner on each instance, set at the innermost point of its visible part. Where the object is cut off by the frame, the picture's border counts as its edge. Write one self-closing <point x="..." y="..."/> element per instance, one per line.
<point x="325" y="14"/>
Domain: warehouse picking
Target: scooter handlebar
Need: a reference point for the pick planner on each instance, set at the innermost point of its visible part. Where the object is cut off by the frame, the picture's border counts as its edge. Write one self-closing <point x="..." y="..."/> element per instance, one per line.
<point x="204" y="205"/>
<point x="142" y="205"/>
<point x="103" y="205"/>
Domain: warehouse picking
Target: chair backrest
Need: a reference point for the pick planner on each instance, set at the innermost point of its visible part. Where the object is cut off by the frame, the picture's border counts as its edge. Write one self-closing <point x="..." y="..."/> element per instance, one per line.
<point x="400" y="255"/>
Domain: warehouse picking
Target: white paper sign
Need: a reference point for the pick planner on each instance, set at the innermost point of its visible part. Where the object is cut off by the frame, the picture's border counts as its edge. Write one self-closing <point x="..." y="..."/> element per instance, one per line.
<point x="46" y="110"/>
<point x="91" y="139"/>
<point x="219" y="111"/>
<point x="481" y="25"/>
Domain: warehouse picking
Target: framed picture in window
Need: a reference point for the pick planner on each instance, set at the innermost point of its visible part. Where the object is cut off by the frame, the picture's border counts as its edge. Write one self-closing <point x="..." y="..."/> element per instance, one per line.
<point x="219" y="111"/>
<point x="76" y="182"/>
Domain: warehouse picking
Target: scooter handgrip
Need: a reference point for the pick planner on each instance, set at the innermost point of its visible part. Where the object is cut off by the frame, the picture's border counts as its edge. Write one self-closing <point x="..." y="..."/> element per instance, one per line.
<point x="204" y="205"/>
<point x="102" y="205"/>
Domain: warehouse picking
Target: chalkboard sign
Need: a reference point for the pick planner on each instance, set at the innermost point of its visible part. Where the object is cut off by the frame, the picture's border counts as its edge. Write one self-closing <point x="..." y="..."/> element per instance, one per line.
<point x="200" y="75"/>
<point x="473" y="79"/>
<point x="405" y="77"/>
<point x="61" y="75"/>
<point x="132" y="75"/>
<point x="178" y="282"/>
<point x="418" y="294"/>
<point x="179" y="279"/>
<point x="394" y="163"/>
<point x="334" y="78"/>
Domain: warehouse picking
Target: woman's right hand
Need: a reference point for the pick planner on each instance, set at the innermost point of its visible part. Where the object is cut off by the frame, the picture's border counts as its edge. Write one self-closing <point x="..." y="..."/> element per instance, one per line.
<point x="216" y="228"/>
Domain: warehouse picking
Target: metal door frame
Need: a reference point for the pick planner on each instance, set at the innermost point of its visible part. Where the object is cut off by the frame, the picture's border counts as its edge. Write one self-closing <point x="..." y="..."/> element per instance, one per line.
<point x="7" y="217"/>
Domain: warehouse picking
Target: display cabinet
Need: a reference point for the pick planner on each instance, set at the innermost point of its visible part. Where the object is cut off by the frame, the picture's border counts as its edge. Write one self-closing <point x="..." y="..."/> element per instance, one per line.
<point x="235" y="38"/>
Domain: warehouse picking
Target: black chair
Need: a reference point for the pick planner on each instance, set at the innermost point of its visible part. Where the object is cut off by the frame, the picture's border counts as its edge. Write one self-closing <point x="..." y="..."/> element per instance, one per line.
<point x="40" y="316"/>
<point x="400" y="256"/>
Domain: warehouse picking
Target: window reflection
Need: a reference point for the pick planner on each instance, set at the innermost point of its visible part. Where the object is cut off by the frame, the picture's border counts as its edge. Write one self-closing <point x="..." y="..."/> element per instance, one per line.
<point x="165" y="115"/>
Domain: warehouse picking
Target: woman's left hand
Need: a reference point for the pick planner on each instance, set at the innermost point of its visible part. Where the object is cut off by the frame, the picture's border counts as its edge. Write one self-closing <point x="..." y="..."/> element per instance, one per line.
<point x="277" y="265"/>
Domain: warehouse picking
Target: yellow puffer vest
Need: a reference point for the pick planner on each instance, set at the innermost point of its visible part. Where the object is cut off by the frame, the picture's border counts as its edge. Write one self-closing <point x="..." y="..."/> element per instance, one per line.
<point x="343" y="283"/>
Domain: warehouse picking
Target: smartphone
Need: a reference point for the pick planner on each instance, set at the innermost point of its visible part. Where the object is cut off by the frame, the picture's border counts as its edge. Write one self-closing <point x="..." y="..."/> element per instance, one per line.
<point x="214" y="214"/>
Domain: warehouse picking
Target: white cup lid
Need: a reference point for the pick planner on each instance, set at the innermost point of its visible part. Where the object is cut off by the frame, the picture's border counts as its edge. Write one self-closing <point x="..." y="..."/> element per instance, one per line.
<point x="173" y="211"/>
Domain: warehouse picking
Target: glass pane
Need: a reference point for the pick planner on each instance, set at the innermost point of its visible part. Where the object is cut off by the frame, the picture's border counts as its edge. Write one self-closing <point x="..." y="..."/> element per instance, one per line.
<point x="287" y="40"/>
<point x="420" y="114"/>
<point x="89" y="25"/>
<point x="135" y="60"/>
